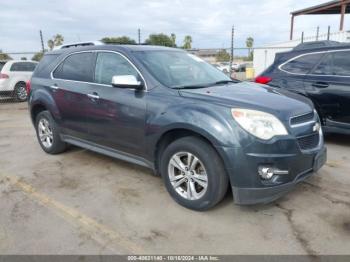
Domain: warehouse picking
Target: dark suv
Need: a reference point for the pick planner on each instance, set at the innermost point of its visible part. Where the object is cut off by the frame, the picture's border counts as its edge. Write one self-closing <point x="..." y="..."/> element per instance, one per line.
<point x="320" y="71"/>
<point x="170" y="111"/>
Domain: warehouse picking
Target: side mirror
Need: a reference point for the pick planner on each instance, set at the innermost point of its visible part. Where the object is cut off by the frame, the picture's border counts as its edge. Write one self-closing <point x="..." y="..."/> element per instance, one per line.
<point x="126" y="81"/>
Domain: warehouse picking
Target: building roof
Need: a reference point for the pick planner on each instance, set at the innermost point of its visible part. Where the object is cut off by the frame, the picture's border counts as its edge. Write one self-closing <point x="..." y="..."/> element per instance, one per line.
<point x="328" y="8"/>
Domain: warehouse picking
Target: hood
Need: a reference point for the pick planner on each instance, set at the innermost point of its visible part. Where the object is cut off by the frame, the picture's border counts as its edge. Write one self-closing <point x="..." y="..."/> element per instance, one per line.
<point x="254" y="96"/>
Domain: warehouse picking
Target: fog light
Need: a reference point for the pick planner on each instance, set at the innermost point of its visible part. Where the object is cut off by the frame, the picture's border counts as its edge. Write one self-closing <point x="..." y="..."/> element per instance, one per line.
<point x="267" y="172"/>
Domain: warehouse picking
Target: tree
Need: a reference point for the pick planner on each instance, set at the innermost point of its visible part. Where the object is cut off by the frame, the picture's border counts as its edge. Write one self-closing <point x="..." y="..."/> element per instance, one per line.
<point x="187" y="42"/>
<point x="223" y="56"/>
<point x="23" y="58"/>
<point x="173" y="38"/>
<point x="250" y="43"/>
<point x="56" y="40"/>
<point x="120" y="40"/>
<point x="159" y="39"/>
<point x="38" y="56"/>
<point x="4" y="56"/>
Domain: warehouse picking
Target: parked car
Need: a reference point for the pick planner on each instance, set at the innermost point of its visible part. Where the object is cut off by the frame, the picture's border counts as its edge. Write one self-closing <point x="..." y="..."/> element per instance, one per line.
<point x="13" y="77"/>
<point x="174" y="113"/>
<point x="224" y="67"/>
<point x="320" y="71"/>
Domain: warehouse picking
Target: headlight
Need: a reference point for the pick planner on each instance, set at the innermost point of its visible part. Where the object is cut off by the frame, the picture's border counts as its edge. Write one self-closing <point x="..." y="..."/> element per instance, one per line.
<point x="260" y="124"/>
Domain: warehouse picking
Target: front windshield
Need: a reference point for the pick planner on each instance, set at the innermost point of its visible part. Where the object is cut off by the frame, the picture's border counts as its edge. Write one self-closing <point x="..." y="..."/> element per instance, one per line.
<point x="179" y="69"/>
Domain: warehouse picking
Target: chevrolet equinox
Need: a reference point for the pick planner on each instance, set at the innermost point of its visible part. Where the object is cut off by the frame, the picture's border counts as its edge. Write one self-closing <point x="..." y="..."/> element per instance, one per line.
<point x="170" y="111"/>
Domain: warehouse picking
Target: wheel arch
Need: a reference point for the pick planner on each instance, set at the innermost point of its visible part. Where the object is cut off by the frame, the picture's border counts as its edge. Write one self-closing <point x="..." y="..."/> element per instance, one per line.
<point x="36" y="109"/>
<point x="176" y="133"/>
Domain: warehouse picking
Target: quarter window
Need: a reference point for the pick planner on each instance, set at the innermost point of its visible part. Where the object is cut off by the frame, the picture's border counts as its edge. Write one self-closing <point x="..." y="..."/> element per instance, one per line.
<point x="112" y="64"/>
<point x="23" y="67"/>
<point x="78" y="67"/>
<point x="303" y="64"/>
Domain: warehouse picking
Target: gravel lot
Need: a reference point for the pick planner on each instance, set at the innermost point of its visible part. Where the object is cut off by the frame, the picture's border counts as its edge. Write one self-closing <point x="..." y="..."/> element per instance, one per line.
<point x="81" y="202"/>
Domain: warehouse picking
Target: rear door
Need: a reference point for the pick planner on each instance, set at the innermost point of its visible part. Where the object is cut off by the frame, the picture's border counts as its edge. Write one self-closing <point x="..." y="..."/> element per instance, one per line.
<point x="71" y="85"/>
<point x="292" y="73"/>
<point x="20" y="72"/>
<point x="329" y="86"/>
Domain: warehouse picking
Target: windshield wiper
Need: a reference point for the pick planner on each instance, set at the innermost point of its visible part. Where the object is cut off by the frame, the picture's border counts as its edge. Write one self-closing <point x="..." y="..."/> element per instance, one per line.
<point x="206" y="85"/>
<point x="226" y="82"/>
<point x="191" y="86"/>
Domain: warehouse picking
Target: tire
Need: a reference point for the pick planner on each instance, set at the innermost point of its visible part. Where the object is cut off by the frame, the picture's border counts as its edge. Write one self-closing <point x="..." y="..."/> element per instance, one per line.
<point x="48" y="134"/>
<point x="20" y="92"/>
<point x="201" y="197"/>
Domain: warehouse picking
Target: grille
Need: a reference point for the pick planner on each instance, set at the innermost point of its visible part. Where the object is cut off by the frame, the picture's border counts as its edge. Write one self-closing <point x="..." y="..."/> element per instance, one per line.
<point x="302" y="119"/>
<point x="309" y="142"/>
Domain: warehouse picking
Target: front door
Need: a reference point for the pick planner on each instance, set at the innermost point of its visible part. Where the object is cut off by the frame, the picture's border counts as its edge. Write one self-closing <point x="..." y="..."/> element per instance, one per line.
<point x="117" y="118"/>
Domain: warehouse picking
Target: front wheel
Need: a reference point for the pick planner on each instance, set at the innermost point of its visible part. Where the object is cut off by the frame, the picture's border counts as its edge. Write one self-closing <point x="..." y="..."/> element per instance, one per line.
<point x="193" y="173"/>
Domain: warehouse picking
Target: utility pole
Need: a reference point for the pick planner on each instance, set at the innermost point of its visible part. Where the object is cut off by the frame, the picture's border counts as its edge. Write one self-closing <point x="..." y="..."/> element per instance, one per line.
<point x="139" y="34"/>
<point x="317" y="33"/>
<point x="232" y="38"/>
<point x="42" y="41"/>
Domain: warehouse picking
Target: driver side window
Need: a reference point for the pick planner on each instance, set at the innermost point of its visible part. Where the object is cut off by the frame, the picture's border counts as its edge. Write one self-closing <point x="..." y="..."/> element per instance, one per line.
<point x="112" y="64"/>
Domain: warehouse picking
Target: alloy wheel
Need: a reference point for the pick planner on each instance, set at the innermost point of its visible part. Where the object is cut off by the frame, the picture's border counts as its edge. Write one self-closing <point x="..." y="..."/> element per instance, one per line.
<point x="187" y="175"/>
<point x="45" y="133"/>
<point x="22" y="92"/>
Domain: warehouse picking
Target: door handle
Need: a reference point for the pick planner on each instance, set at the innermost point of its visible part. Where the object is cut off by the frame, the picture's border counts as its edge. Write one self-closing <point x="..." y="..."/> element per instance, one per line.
<point x="320" y="84"/>
<point x="54" y="87"/>
<point x="94" y="96"/>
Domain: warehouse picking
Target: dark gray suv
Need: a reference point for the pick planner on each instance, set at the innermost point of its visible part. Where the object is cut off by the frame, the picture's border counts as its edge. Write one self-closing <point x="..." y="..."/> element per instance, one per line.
<point x="172" y="112"/>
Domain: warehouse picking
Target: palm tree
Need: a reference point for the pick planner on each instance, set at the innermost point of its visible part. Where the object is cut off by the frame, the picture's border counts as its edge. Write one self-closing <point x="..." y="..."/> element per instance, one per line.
<point x="50" y="44"/>
<point x="58" y="40"/>
<point x="55" y="41"/>
<point x="249" y="43"/>
<point x="187" y="42"/>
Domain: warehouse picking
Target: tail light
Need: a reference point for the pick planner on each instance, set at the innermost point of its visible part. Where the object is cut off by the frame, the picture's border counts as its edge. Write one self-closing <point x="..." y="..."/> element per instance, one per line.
<point x="4" y="76"/>
<point x="263" y="79"/>
<point x="28" y="86"/>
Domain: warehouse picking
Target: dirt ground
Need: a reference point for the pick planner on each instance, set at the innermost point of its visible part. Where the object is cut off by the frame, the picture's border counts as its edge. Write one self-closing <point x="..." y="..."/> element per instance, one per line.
<point x="80" y="202"/>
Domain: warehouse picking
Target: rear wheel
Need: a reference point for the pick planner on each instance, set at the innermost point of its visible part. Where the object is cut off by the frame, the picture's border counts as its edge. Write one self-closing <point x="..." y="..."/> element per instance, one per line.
<point x="193" y="173"/>
<point x="48" y="134"/>
<point x="20" y="92"/>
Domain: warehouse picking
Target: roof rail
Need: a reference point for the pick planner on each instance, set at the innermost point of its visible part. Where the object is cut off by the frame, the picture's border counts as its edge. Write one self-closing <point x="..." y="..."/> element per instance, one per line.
<point x="78" y="44"/>
<point x="316" y="44"/>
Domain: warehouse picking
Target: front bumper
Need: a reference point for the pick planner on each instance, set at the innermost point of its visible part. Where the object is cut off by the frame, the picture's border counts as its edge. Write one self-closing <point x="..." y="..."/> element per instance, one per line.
<point x="283" y="154"/>
<point x="263" y="195"/>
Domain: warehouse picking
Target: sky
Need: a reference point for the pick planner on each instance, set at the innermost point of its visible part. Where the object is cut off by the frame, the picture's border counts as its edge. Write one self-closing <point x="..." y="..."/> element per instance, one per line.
<point x="209" y="22"/>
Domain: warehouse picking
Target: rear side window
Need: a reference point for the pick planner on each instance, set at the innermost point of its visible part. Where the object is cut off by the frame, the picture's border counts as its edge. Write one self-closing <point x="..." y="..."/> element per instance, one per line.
<point x="303" y="64"/>
<point x="23" y="67"/>
<point x="341" y="65"/>
<point x="78" y="67"/>
<point x="325" y="66"/>
<point x="112" y="64"/>
<point x="45" y="62"/>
